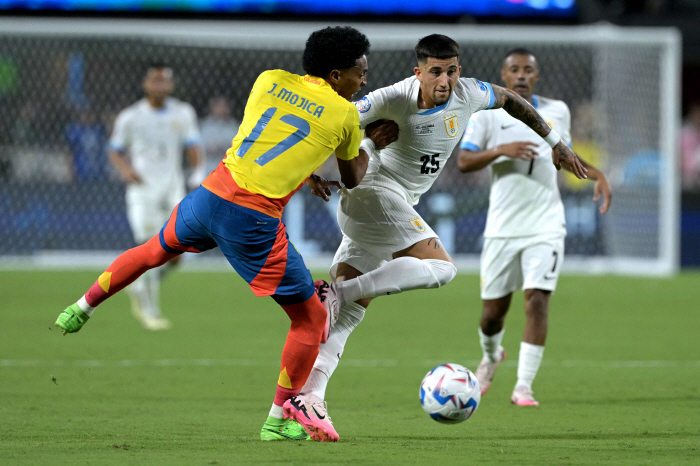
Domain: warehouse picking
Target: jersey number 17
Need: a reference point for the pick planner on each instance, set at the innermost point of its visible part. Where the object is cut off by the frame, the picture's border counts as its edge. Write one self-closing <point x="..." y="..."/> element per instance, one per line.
<point x="303" y="130"/>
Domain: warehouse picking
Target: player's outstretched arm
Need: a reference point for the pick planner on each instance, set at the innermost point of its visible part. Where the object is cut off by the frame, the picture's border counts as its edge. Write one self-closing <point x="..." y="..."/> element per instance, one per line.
<point x="601" y="187"/>
<point x="470" y="161"/>
<point x="121" y="163"/>
<point x="519" y="108"/>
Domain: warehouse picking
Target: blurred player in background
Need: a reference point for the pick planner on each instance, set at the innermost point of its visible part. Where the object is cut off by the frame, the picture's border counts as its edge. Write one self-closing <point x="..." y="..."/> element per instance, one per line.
<point x="525" y="227"/>
<point x="387" y="248"/>
<point x="291" y="125"/>
<point x="147" y="147"/>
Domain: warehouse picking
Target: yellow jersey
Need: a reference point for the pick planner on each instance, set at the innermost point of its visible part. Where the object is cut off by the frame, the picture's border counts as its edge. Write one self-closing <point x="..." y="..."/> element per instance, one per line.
<point x="291" y="125"/>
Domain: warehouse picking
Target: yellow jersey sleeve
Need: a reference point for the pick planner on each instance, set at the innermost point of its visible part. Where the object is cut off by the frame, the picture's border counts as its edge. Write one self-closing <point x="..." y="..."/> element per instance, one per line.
<point x="349" y="148"/>
<point x="291" y="125"/>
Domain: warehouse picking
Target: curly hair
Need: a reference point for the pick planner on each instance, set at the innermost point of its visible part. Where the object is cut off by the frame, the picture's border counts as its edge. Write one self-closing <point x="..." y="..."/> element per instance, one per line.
<point x="436" y="46"/>
<point x="333" y="48"/>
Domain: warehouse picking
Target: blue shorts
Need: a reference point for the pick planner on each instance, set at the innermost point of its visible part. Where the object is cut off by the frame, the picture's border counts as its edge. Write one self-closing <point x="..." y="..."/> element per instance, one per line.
<point x="256" y="245"/>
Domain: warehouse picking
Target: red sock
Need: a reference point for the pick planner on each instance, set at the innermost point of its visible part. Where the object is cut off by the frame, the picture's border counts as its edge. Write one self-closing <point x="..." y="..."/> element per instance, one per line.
<point x="301" y="348"/>
<point x="127" y="268"/>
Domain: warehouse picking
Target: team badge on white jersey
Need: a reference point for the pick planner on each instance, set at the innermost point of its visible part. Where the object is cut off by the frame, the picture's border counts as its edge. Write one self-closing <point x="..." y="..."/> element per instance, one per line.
<point x="417" y="223"/>
<point x="452" y="125"/>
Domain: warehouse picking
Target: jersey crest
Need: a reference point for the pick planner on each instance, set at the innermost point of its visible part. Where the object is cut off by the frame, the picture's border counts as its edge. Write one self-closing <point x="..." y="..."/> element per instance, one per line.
<point x="363" y="105"/>
<point x="417" y="223"/>
<point x="451" y="125"/>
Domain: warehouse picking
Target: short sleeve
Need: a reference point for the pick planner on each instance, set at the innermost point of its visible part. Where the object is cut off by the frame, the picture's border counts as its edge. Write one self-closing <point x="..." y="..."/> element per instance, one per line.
<point x="379" y="105"/>
<point x="566" y="128"/>
<point x="121" y="136"/>
<point x="191" y="128"/>
<point x="476" y="136"/>
<point x="349" y="147"/>
<point x="480" y="95"/>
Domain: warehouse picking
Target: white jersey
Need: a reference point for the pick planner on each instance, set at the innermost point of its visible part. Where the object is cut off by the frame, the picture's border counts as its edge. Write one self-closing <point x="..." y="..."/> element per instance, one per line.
<point x="155" y="140"/>
<point x="426" y="138"/>
<point x="524" y="197"/>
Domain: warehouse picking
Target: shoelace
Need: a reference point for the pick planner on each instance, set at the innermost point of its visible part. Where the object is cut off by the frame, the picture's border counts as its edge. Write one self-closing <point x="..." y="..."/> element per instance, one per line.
<point x="323" y="408"/>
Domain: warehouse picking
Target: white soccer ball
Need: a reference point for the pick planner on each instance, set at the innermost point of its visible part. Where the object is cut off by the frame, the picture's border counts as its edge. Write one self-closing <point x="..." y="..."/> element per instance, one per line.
<point x="450" y="393"/>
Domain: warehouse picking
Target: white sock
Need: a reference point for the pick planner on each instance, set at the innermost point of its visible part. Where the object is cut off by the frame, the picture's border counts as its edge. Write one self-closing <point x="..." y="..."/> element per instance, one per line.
<point x="396" y="276"/>
<point x="154" y="276"/>
<point x="528" y="364"/>
<point x="85" y="307"/>
<point x="330" y="352"/>
<point x="140" y="294"/>
<point x="276" y="411"/>
<point x="490" y="344"/>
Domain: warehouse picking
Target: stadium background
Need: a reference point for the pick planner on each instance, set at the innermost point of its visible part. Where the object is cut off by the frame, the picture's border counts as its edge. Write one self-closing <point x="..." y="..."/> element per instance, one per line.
<point x="62" y="84"/>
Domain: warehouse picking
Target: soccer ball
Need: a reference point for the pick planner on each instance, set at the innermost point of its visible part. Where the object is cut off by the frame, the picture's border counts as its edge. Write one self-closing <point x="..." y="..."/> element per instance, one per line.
<point x="450" y="393"/>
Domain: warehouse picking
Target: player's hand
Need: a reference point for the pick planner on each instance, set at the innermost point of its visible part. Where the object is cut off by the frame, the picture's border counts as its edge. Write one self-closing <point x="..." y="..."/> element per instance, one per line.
<point x="563" y="154"/>
<point x="321" y="187"/>
<point x="382" y="133"/>
<point x="518" y="150"/>
<point x="130" y="176"/>
<point x="602" y="188"/>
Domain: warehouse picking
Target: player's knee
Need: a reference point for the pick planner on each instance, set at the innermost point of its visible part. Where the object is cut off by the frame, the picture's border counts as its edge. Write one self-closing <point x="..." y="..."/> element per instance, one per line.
<point x="536" y="303"/>
<point x="443" y="271"/>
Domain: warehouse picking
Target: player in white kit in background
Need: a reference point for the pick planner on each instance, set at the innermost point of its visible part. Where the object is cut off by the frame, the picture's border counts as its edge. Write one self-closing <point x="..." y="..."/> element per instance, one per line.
<point x="147" y="147"/>
<point x="387" y="248"/>
<point x="525" y="227"/>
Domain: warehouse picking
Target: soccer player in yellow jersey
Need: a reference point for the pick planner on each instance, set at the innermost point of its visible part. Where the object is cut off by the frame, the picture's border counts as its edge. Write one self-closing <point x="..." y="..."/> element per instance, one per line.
<point x="291" y="125"/>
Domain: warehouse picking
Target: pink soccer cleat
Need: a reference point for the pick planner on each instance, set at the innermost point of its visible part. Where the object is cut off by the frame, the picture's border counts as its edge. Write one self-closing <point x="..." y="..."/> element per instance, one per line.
<point x="522" y="396"/>
<point x="326" y="293"/>
<point x="487" y="369"/>
<point x="311" y="412"/>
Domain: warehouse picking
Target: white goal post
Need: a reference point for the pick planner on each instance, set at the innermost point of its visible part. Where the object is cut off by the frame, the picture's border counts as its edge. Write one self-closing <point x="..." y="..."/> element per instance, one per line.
<point x="622" y="85"/>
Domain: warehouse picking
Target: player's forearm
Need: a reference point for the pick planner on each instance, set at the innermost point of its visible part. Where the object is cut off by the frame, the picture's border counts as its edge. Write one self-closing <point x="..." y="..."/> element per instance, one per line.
<point x="352" y="171"/>
<point x="593" y="173"/>
<point x="520" y="109"/>
<point x="470" y="161"/>
<point x="120" y="162"/>
<point x="195" y="156"/>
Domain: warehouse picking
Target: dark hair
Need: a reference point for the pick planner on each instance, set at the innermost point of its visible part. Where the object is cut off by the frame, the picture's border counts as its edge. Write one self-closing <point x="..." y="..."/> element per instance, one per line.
<point x="520" y="51"/>
<point x="333" y="48"/>
<point x="436" y="46"/>
<point x="156" y="65"/>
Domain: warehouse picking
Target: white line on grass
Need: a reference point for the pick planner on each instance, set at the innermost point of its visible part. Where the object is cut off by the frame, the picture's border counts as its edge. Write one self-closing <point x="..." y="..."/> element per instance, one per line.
<point x="363" y="363"/>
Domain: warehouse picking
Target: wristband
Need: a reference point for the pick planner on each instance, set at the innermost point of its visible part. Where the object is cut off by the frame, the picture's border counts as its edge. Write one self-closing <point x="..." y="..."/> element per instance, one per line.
<point x="552" y="138"/>
<point x="368" y="146"/>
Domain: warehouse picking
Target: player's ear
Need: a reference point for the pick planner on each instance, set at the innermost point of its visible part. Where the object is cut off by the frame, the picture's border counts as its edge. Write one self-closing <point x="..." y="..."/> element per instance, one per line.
<point x="334" y="76"/>
<point x="416" y="70"/>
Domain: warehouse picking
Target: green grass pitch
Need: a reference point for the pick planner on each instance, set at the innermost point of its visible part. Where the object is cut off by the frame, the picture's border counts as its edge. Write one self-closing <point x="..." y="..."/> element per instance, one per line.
<point x="619" y="384"/>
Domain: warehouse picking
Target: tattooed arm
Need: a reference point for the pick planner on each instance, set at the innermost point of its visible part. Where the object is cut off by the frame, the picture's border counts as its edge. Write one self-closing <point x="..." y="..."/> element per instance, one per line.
<point x="520" y="109"/>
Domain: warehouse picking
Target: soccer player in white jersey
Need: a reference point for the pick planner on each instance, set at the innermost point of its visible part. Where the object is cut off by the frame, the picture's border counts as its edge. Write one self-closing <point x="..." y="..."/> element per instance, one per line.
<point x="387" y="248"/>
<point x="525" y="228"/>
<point x="147" y="147"/>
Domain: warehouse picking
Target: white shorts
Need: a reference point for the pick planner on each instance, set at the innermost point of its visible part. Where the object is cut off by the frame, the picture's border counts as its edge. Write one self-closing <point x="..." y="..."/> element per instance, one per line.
<point x="376" y="222"/>
<point x="530" y="262"/>
<point x="149" y="209"/>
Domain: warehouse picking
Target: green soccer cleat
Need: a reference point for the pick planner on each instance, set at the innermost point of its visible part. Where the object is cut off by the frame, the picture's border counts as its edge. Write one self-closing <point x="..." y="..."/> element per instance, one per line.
<point x="72" y="319"/>
<point x="282" y="429"/>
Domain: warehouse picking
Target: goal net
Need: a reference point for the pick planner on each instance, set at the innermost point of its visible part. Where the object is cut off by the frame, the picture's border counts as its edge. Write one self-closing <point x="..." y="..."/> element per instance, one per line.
<point x="63" y="81"/>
